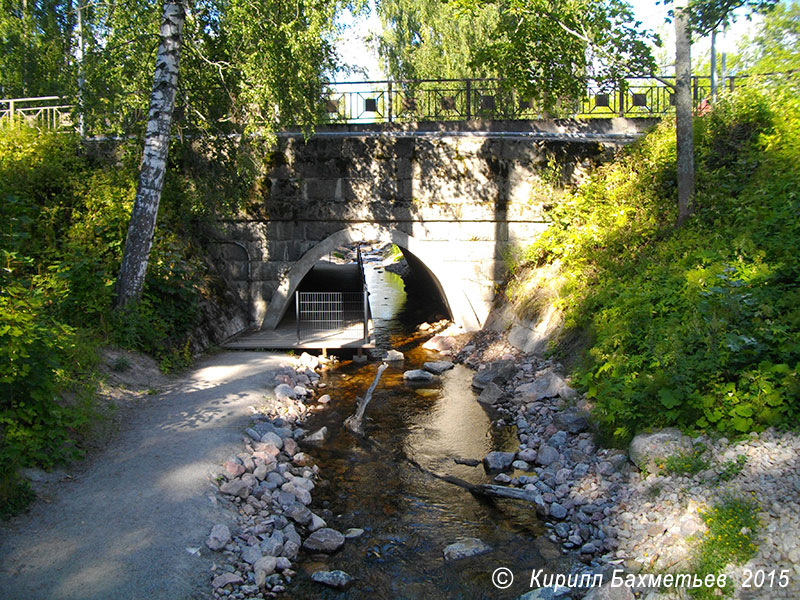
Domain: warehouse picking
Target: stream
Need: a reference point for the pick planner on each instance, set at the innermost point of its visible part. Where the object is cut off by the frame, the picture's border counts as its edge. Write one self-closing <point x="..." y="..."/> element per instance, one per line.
<point x="408" y="515"/>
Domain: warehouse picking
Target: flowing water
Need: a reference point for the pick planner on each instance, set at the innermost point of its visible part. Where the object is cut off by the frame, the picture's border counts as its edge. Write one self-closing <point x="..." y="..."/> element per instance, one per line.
<point x="408" y="515"/>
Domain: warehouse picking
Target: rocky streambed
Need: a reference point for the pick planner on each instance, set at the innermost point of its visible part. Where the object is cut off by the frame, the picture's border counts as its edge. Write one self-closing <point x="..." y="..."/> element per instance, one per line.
<point x="608" y="510"/>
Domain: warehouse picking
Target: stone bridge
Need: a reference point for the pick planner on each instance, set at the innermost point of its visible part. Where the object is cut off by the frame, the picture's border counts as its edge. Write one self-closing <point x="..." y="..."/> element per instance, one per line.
<point x="455" y="198"/>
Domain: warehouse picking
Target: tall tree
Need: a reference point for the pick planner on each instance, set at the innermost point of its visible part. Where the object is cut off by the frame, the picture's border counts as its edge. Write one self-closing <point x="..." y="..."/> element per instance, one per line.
<point x="775" y="47"/>
<point x="130" y="282"/>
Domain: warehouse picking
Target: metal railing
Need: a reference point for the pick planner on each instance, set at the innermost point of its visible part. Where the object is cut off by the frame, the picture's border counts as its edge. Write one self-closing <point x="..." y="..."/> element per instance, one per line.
<point x="43" y="112"/>
<point x="392" y="101"/>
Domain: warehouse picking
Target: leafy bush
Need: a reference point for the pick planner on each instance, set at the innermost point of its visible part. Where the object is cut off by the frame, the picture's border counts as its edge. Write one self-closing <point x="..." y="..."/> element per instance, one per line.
<point x="697" y="326"/>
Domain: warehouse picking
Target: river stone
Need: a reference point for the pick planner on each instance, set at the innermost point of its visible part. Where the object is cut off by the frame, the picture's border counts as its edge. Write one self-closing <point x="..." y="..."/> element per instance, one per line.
<point x="547" y="385"/>
<point x="571" y="421"/>
<point x="317" y="522"/>
<point x="528" y="455"/>
<point x="606" y="592"/>
<point x="233" y="469"/>
<point x="290" y="549"/>
<point x="284" y="392"/>
<point x="263" y="568"/>
<point x="335" y="579"/>
<point x="491" y="393"/>
<point x="218" y="538"/>
<point x="220" y="581"/>
<point x="521" y="465"/>
<point x="290" y="447"/>
<point x="236" y="487"/>
<point x="495" y="462"/>
<point x="647" y="449"/>
<point x="465" y="548"/>
<point x="440" y="343"/>
<point x="419" y="376"/>
<point x="394" y="356"/>
<point x="498" y="372"/>
<point x="251" y="554"/>
<point x="272" y="546"/>
<point x="547" y="455"/>
<point x="438" y="367"/>
<point x="318" y="437"/>
<point x="272" y="438"/>
<point x="298" y="512"/>
<point x="353" y="532"/>
<point x="545" y="593"/>
<point x="308" y="360"/>
<point x="324" y="540"/>
<point x="557" y="511"/>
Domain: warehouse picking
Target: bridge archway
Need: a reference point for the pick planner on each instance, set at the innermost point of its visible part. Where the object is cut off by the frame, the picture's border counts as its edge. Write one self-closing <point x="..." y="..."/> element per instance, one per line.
<point x="450" y="288"/>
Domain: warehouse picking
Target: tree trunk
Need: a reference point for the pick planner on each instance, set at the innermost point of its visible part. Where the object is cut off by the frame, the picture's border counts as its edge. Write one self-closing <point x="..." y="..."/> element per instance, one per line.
<point x="683" y="115"/>
<point x="154" y="158"/>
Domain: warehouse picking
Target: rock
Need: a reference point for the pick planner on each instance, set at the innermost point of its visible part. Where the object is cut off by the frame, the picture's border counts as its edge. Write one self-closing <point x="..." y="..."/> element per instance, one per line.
<point x="219" y="537"/>
<point x="466" y="548"/>
<point x="236" y="487"/>
<point x="495" y="462"/>
<point x="290" y="447"/>
<point x="606" y="592"/>
<point x="557" y="511"/>
<point x="324" y="399"/>
<point x="571" y="421"/>
<point x="360" y="358"/>
<point x="308" y="360"/>
<point x="528" y="455"/>
<point x="263" y="568"/>
<point x="547" y="455"/>
<point x="324" y="540"/>
<point x="283" y="563"/>
<point x="498" y="372"/>
<point x="418" y="376"/>
<point x="335" y="579"/>
<point x="301" y="459"/>
<point x="470" y="462"/>
<point x="284" y="392"/>
<point x="318" y="437"/>
<point x="440" y="343"/>
<point x="491" y="393"/>
<point x="251" y="554"/>
<point x="547" y="385"/>
<point x="220" y="581"/>
<point x="521" y="465"/>
<point x="298" y="513"/>
<point x="545" y="593"/>
<point x="273" y="545"/>
<point x="438" y="367"/>
<point x="233" y="469"/>
<point x="317" y="522"/>
<point x="558" y="439"/>
<point x="394" y="356"/>
<point x="647" y="449"/>
<point x="272" y="438"/>
<point x="261" y="471"/>
<point x="353" y="532"/>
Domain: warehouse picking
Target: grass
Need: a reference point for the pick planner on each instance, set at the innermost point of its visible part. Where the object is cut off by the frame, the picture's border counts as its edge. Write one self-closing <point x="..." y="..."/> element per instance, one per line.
<point x="689" y="463"/>
<point x="732" y="526"/>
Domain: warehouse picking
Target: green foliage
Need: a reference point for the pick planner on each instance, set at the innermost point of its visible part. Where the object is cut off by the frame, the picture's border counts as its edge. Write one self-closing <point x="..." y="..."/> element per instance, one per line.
<point x="686" y="463"/>
<point x="775" y="47"/>
<point x="732" y="468"/>
<point x="732" y="526"/>
<point x="696" y="326"/>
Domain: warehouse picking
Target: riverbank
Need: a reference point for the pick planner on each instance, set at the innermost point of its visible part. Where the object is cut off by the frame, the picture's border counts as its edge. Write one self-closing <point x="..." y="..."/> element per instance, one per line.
<point x="639" y="510"/>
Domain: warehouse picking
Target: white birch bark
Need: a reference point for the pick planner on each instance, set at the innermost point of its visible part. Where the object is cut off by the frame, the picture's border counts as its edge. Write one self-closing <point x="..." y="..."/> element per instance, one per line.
<point x="154" y="158"/>
<point x="683" y="115"/>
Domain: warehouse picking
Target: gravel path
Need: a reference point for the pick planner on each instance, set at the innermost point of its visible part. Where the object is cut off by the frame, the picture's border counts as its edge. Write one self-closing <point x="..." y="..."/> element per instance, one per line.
<point x="123" y="526"/>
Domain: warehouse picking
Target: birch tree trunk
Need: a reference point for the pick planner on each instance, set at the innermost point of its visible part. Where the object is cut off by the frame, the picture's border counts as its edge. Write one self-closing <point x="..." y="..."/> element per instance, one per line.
<point x="154" y="158"/>
<point x="683" y="114"/>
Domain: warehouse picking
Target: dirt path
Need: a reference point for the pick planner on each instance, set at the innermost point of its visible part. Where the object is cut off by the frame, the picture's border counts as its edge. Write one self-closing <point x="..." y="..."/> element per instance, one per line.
<point x="120" y="528"/>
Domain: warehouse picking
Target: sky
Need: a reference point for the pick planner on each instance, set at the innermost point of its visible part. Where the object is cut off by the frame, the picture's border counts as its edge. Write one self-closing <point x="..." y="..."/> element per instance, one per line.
<point x="355" y="51"/>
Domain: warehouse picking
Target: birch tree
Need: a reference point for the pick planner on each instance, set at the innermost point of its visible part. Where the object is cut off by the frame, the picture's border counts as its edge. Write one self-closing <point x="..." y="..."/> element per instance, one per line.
<point x="154" y="158"/>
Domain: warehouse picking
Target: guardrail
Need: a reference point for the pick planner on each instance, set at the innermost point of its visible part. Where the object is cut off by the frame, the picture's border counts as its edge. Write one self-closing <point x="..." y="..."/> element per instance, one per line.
<point x="332" y="312"/>
<point x="43" y="112"/>
<point x="465" y="99"/>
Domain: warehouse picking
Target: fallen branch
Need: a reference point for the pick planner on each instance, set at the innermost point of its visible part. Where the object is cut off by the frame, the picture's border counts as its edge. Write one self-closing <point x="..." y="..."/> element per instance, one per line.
<point x="354" y="422"/>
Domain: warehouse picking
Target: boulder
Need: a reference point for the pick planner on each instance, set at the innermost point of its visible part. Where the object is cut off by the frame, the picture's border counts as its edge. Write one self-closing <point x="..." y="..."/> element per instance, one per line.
<point x="571" y="421"/>
<point x="498" y="372"/>
<point x="324" y="540"/>
<point x="649" y="449"/>
<point x="495" y="462"/>
<point x="547" y="385"/>
<point x="418" y="376"/>
<point x="465" y="548"/>
<point x="490" y="394"/>
<point x="440" y="343"/>
<point x="219" y="537"/>
<point x="394" y="356"/>
<point x="335" y="579"/>
<point x="438" y="367"/>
